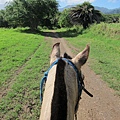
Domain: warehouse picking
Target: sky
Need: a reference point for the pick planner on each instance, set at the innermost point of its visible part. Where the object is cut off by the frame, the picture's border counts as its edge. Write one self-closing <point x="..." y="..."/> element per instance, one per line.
<point x="110" y="4"/>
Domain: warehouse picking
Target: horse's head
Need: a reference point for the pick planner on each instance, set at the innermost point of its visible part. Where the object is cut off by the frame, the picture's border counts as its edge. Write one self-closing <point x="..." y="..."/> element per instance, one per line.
<point x="63" y="85"/>
<point x="79" y="60"/>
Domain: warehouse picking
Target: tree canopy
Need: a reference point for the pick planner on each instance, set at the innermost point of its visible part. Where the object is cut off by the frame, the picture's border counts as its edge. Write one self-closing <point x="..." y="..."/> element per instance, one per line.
<point x="64" y="18"/>
<point x="34" y="13"/>
<point x="30" y="13"/>
<point x="85" y="14"/>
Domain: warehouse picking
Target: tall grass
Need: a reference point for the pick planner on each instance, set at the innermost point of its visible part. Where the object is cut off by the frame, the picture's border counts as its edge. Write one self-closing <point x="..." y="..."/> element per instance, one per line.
<point x="104" y="40"/>
<point x="24" y="57"/>
<point x="28" y="54"/>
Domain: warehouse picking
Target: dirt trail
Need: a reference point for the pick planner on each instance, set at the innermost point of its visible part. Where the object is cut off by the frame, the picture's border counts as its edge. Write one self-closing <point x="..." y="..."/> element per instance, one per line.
<point x="104" y="105"/>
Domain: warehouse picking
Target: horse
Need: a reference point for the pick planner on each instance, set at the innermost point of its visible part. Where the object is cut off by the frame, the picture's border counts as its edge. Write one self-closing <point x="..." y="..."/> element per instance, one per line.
<point x="63" y="85"/>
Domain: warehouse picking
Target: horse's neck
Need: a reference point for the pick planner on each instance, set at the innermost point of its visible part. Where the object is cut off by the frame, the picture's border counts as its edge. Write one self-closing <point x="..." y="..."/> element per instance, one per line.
<point x="48" y="94"/>
<point x="50" y="100"/>
<point x="72" y="91"/>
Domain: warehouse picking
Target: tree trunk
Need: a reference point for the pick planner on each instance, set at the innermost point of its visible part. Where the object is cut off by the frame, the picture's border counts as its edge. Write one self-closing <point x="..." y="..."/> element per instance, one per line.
<point x="34" y="24"/>
<point x="85" y="25"/>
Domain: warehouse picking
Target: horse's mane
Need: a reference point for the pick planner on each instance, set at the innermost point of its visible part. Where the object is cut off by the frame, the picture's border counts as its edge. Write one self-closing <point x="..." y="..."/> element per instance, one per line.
<point x="59" y="101"/>
<point x="67" y="56"/>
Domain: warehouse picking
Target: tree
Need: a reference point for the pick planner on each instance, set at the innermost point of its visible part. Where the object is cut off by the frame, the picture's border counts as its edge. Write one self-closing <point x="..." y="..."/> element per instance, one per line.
<point x="64" y="18"/>
<point x="3" y="22"/>
<point x="85" y="14"/>
<point x="111" y="18"/>
<point x="30" y="13"/>
<point x="50" y="11"/>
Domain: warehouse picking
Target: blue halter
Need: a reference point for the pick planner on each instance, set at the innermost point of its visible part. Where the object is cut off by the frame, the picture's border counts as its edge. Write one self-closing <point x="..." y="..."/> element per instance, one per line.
<point x="79" y="77"/>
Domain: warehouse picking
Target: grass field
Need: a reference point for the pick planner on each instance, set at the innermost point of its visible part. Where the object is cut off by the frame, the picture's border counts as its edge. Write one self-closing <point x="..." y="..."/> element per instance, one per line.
<point x="23" y="59"/>
<point x="104" y="40"/>
<point x="25" y="56"/>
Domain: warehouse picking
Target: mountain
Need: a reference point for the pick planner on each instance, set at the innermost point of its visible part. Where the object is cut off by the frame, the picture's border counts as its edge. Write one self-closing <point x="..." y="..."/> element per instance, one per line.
<point x="66" y="7"/>
<point x="115" y="11"/>
<point x="102" y="9"/>
<point x="108" y="11"/>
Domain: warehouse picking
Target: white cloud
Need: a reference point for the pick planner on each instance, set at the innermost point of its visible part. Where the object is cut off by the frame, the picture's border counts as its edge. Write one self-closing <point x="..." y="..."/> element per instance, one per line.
<point x="113" y="1"/>
<point x="75" y="1"/>
<point x="65" y="1"/>
<point x="4" y="1"/>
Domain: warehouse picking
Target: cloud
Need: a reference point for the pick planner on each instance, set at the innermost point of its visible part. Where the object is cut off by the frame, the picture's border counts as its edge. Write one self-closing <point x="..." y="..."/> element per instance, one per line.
<point x="113" y="1"/>
<point x="4" y="1"/>
<point x="75" y="1"/>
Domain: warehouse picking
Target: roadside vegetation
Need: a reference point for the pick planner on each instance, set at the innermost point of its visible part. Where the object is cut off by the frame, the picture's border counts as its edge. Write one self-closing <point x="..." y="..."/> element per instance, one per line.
<point x="45" y="14"/>
<point x="23" y="59"/>
<point x="104" y="40"/>
<point x="24" y="52"/>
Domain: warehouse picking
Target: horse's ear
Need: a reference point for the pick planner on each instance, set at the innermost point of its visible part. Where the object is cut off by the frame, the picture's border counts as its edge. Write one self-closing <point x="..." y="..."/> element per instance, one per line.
<point x="55" y="52"/>
<point x="81" y="58"/>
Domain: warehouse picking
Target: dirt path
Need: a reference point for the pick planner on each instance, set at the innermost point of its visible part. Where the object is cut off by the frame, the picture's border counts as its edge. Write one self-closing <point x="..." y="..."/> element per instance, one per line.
<point x="104" y="105"/>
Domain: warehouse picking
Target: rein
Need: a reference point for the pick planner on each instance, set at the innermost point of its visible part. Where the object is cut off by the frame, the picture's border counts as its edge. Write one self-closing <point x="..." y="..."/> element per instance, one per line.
<point x="80" y="81"/>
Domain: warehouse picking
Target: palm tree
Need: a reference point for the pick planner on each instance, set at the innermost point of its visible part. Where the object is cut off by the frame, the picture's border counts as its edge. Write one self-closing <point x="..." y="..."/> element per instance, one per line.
<point x="85" y="14"/>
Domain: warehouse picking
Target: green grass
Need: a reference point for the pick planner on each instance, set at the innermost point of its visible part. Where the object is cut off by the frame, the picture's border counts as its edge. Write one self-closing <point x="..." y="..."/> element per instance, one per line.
<point x="24" y="57"/>
<point x="30" y="53"/>
<point x="104" y="40"/>
<point x="15" y="49"/>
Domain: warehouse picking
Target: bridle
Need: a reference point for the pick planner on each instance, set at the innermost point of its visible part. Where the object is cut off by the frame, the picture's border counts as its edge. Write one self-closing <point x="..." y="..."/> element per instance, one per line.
<point x="80" y="78"/>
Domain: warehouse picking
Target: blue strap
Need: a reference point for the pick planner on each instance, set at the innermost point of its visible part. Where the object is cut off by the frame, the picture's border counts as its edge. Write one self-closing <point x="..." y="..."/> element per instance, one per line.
<point x="46" y="75"/>
<point x="41" y="85"/>
<point x="43" y="80"/>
